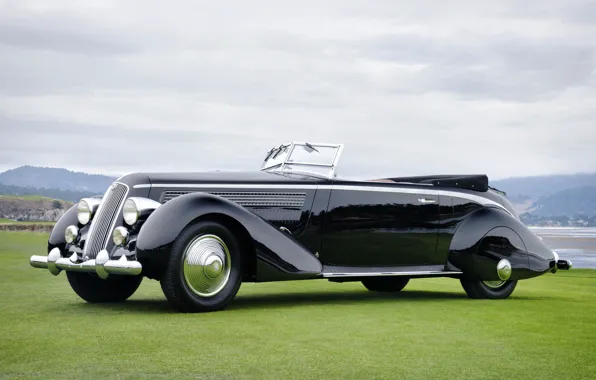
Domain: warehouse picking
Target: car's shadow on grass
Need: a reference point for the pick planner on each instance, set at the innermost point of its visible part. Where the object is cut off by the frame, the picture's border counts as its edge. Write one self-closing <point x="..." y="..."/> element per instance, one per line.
<point x="279" y="300"/>
<point x="350" y="297"/>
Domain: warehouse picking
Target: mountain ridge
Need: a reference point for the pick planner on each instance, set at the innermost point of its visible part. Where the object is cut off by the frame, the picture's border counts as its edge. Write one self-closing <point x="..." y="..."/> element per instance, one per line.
<point x="28" y="176"/>
<point x="535" y="187"/>
<point x="64" y="195"/>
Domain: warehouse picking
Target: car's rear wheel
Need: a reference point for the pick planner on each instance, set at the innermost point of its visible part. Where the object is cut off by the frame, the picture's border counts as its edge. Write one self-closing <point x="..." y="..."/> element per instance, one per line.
<point x="204" y="271"/>
<point x="385" y="284"/>
<point x="488" y="289"/>
<point x="96" y="290"/>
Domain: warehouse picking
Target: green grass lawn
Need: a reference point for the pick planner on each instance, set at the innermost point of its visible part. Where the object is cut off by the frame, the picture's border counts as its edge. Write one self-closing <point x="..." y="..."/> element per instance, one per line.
<point x="299" y="330"/>
<point x="27" y="197"/>
<point x="9" y="221"/>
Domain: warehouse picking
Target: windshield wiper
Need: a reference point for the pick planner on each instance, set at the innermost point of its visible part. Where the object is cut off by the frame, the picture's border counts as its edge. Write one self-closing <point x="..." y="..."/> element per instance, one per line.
<point x="311" y="147"/>
<point x="279" y="150"/>
<point x="269" y="154"/>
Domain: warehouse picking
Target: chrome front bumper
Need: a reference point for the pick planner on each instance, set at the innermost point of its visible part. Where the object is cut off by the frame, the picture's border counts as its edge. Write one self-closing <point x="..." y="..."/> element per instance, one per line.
<point x="102" y="265"/>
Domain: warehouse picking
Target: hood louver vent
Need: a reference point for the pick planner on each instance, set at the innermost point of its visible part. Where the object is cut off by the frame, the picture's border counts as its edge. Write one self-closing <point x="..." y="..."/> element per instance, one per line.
<point x="251" y="199"/>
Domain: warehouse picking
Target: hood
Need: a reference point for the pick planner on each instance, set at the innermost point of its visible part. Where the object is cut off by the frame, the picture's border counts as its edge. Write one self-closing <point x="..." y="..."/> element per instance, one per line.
<point x="216" y="177"/>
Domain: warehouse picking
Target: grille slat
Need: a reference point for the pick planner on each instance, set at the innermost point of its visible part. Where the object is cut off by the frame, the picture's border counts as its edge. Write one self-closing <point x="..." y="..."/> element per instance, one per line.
<point x="251" y="199"/>
<point x="102" y="221"/>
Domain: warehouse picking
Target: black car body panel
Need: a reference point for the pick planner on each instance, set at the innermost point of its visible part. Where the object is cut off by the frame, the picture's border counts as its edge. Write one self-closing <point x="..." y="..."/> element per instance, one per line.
<point x="56" y="238"/>
<point x="488" y="235"/>
<point x="370" y="224"/>
<point x="273" y="246"/>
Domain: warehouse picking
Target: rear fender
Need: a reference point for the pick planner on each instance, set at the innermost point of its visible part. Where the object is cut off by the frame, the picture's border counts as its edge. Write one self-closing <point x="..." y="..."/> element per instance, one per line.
<point x="488" y="235"/>
<point x="273" y="247"/>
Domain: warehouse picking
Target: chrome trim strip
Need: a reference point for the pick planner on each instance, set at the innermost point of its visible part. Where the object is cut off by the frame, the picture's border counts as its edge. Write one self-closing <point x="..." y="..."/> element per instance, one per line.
<point x="357" y="187"/>
<point x="475" y="198"/>
<point x="447" y="193"/>
<point x="377" y="274"/>
<point x="224" y="186"/>
<point x="309" y="174"/>
<point x="380" y="189"/>
<point x="426" y="201"/>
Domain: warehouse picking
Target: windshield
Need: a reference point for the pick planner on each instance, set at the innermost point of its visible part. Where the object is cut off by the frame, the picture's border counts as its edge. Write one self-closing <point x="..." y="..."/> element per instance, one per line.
<point x="316" y="159"/>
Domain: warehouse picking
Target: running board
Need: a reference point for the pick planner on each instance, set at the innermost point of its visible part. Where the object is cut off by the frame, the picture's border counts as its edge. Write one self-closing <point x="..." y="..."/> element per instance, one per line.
<point x="332" y="271"/>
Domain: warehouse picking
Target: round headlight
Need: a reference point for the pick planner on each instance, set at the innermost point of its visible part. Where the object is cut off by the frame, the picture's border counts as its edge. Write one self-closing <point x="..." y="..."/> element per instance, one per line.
<point x="84" y="212"/>
<point x="120" y="236"/>
<point x="130" y="212"/>
<point x="86" y="208"/>
<point x="71" y="234"/>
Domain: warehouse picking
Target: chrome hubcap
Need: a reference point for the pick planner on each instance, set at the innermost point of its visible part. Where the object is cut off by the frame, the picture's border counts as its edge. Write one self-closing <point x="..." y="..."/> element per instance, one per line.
<point x="504" y="269"/>
<point x="213" y="267"/>
<point x="494" y="284"/>
<point x="207" y="265"/>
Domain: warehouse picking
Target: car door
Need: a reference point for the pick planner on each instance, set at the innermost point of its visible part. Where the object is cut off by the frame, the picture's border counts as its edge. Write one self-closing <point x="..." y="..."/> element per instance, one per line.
<point x="374" y="224"/>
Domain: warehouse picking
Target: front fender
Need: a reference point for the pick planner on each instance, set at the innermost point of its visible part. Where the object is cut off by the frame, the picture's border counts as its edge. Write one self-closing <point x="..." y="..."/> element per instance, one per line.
<point x="273" y="246"/>
<point x="489" y="235"/>
<point x="56" y="238"/>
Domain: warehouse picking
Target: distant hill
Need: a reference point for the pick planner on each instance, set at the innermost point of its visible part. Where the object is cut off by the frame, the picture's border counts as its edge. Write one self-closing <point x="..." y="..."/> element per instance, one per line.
<point x="524" y="192"/>
<point x="29" y="192"/>
<point x="521" y="188"/>
<point x="55" y="178"/>
<point x="570" y="202"/>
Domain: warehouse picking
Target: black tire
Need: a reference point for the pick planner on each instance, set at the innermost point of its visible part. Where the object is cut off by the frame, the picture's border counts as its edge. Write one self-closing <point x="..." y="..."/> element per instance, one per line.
<point x="385" y="284"/>
<point x="479" y="290"/>
<point x="174" y="283"/>
<point x="116" y="288"/>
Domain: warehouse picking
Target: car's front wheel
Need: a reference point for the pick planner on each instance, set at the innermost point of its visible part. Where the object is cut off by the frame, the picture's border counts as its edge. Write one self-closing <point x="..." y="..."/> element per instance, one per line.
<point x="385" y="284"/>
<point x="204" y="271"/>
<point x="96" y="290"/>
<point x="488" y="289"/>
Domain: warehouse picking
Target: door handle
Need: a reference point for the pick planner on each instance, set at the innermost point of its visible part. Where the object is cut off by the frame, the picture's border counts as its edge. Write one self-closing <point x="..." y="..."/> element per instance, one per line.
<point x="426" y="200"/>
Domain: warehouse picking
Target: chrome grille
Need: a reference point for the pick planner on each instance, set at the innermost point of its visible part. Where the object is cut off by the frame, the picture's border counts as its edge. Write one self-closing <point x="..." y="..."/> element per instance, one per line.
<point x="251" y="199"/>
<point x="104" y="218"/>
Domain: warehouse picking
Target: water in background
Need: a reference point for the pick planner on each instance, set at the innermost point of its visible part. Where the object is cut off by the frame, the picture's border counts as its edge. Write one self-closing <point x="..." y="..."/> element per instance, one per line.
<point x="571" y="243"/>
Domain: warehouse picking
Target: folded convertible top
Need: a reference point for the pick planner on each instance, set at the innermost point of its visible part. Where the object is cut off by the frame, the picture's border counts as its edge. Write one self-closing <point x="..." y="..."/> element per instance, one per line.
<point x="476" y="182"/>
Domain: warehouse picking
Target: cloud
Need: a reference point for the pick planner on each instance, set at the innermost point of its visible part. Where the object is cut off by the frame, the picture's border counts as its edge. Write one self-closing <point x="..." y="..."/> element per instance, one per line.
<point x="503" y="68"/>
<point x="410" y="88"/>
<point x="43" y="37"/>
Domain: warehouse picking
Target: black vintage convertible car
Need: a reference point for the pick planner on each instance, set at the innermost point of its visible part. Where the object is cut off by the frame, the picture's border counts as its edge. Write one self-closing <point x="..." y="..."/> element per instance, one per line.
<point x="203" y="234"/>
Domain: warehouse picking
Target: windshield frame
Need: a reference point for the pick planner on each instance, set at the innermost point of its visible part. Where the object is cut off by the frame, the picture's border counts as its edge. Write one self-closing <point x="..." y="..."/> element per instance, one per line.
<point x="285" y="166"/>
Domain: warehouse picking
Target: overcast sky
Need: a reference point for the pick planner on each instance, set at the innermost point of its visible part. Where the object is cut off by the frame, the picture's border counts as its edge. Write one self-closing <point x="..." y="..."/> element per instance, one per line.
<point x="506" y="88"/>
